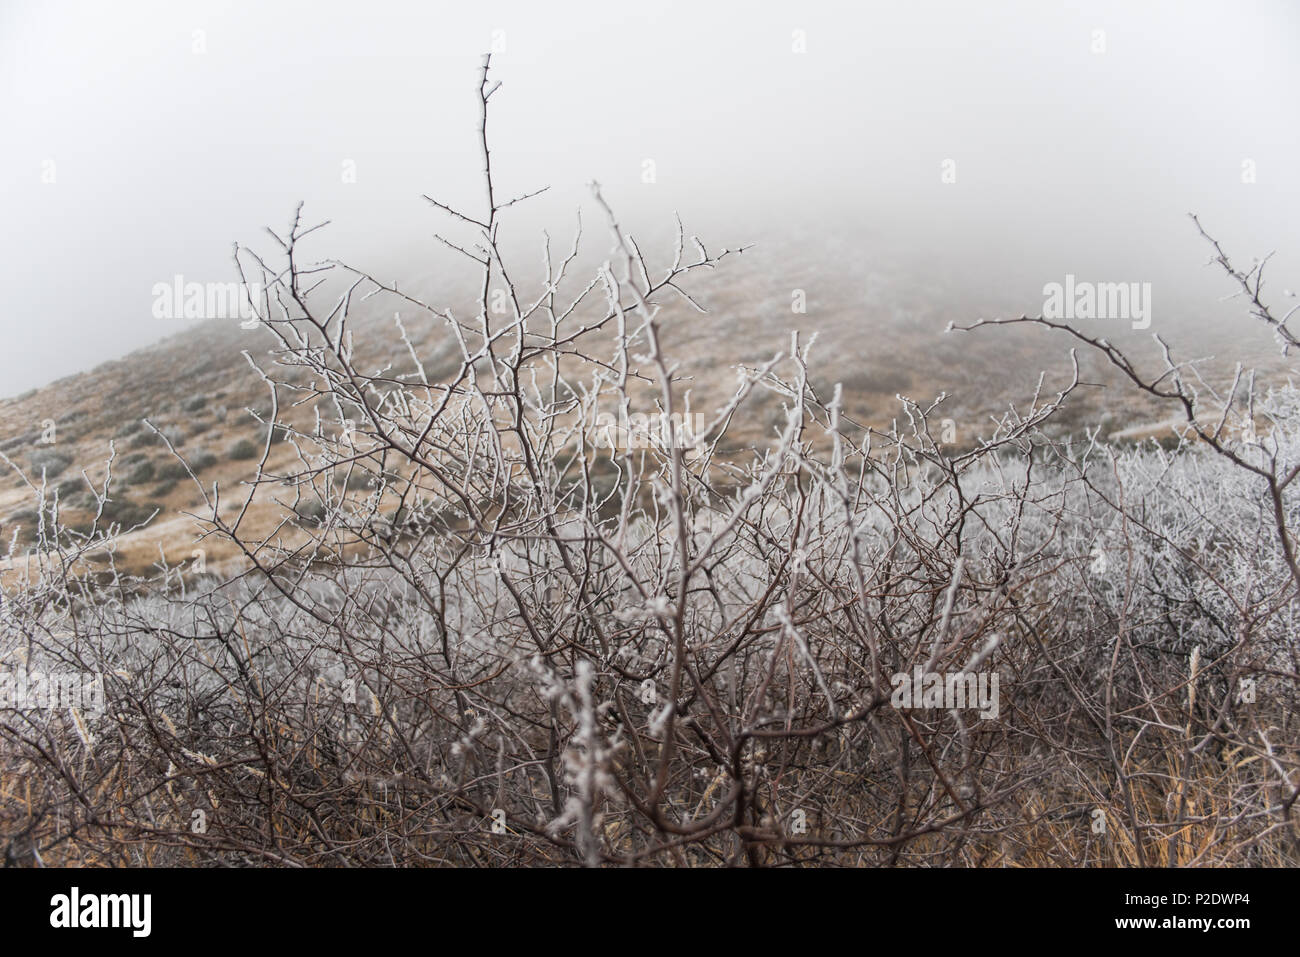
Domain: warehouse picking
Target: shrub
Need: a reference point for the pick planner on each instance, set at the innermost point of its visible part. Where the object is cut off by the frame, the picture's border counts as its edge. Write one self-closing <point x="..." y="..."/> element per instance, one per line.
<point x="243" y="449"/>
<point x="879" y="380"/>
<point x="171" y="470"/>
<point x="312" y="513"/>
<point x="83" y="501"/>
<point x="141" y="473"/>
<point x="128" y="514"/>
<point x="354" y="479"/>
<point x="26" y="521"/>
<point x="50" y="462"/>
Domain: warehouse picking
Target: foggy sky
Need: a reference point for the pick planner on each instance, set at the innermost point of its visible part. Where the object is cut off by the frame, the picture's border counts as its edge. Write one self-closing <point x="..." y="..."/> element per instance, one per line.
<point x="1066" y="160"/>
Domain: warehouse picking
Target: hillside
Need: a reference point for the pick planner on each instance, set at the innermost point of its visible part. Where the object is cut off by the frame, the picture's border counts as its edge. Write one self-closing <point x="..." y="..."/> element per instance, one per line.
<point x="878" y="333"/>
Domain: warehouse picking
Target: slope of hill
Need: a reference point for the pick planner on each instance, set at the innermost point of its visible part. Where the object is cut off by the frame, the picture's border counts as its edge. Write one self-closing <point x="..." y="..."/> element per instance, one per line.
<point x="878" y="333"/>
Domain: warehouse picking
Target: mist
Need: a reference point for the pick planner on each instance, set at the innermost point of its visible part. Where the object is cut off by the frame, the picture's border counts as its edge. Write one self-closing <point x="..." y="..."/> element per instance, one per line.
<point x="995" y="149"/>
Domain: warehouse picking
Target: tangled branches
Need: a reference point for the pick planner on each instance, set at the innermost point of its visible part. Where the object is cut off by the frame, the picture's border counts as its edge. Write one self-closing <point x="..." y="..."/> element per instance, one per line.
<point x="523" y="605"/>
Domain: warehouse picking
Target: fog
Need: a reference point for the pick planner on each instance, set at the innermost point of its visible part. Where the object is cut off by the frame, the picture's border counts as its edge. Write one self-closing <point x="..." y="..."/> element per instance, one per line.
<point x="138" y="149"/>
